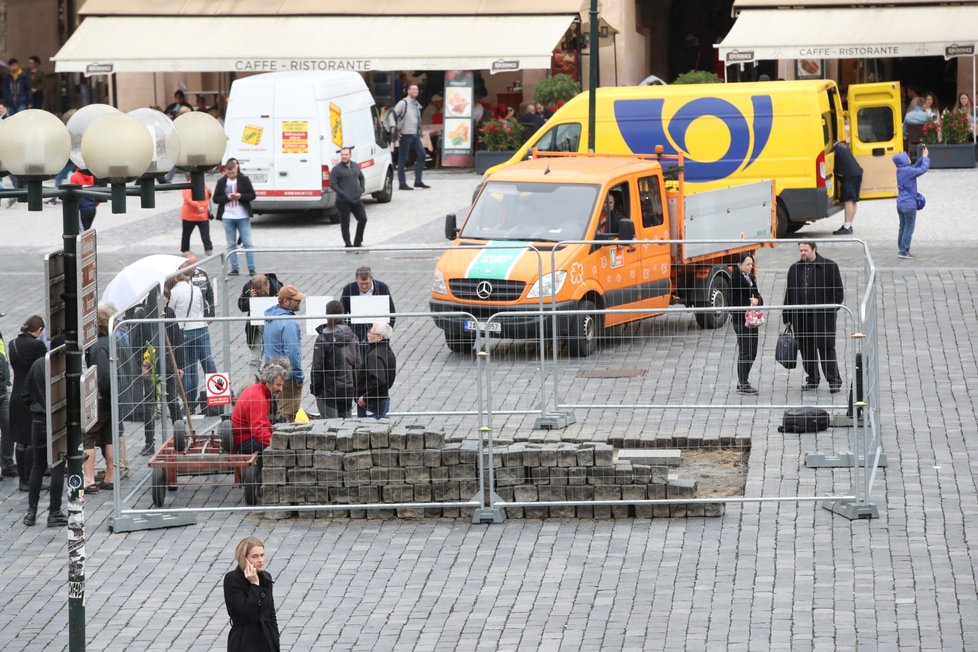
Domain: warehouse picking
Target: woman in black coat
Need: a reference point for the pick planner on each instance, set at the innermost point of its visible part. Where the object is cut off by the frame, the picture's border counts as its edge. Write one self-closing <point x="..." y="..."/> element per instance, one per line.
<point x="248" y="597"/>
<point x="22" y="352"/>
<point x="744" y="292"/>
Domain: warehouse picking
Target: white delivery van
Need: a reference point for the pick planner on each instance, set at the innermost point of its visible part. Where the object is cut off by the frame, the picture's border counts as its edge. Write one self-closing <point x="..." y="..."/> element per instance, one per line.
<point x="286" y="129"/>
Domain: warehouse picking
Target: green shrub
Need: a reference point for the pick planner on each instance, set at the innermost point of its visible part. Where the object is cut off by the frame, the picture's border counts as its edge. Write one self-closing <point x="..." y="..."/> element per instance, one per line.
<point x="697" y="77"/>
<point x="556" y="90"/>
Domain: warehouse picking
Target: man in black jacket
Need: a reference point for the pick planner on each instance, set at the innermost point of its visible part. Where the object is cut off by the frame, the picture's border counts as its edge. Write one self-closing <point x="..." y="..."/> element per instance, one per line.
<point x="814" y="280"/>
<point x="346" y="180"/>
<point x="376" y="376"/>
<point x="8" y="468"/>
<point x="233" y="195"/>
<point x="365" y="285"/>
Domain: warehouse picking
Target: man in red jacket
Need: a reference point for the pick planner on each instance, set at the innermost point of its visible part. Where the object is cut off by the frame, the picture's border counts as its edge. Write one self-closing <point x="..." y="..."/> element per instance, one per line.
<point x="251" y="417"/>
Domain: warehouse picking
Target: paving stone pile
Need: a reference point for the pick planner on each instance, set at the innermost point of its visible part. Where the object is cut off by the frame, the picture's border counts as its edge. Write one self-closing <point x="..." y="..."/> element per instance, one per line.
<point x="355" y="462"/>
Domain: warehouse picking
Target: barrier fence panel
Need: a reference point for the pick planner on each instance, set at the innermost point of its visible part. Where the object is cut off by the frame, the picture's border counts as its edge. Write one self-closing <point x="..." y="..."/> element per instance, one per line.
<point x="628" y="405"/>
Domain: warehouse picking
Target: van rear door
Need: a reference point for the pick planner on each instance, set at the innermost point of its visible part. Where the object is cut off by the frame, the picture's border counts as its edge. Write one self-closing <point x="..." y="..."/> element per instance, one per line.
<point x="249" y="128"/>
<point x="297" y="176"/>
<point x="876" y="134"/>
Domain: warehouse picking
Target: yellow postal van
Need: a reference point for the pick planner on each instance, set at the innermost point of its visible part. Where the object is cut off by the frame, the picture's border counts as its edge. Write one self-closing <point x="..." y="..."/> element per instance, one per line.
<point x="737" y="133"/>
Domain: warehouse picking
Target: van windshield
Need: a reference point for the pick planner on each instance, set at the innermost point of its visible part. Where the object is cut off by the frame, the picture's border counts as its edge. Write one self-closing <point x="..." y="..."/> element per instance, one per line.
<point x="547" y="212"/>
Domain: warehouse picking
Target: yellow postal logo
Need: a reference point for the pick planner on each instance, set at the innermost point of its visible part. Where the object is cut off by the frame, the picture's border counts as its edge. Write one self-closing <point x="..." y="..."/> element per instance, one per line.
<point x="251" y="135"/>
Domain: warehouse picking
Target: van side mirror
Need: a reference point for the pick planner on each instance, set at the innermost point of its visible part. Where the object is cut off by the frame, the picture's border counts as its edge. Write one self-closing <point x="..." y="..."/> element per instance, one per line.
<point x="451" y="228"/>
<point x="626" y="229"/>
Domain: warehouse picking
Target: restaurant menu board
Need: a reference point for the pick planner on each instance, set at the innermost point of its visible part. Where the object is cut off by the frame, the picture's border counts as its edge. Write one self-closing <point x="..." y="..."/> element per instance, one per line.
<point x="457" y="137"/>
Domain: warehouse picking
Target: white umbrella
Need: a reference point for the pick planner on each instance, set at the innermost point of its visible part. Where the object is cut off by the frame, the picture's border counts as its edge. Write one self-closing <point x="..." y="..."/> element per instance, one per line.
<point x="135" y="280"/>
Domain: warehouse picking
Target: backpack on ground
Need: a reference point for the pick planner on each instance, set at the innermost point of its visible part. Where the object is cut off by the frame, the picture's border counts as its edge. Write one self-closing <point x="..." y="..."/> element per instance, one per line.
<point x="804" y="420"/>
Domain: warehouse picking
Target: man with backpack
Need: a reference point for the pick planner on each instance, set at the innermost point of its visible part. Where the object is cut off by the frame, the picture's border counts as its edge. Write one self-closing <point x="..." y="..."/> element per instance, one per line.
<point x="335" y="359"/>
<point x="407" y="116"/>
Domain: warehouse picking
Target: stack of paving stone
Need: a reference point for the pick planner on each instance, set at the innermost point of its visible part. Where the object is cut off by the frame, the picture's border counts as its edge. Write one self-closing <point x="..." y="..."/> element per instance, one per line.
<point x="356" y="462"/>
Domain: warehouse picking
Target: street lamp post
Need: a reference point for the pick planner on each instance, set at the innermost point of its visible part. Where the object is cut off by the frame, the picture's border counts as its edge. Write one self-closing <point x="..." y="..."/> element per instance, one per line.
<point x="117" y="148"/>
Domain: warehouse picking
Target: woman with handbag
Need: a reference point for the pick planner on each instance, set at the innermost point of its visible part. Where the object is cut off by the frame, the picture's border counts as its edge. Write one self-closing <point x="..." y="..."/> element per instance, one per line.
<point x="744" y="293"/>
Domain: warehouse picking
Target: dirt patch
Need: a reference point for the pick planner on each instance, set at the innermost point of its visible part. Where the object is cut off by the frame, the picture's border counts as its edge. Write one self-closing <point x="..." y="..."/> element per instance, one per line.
<point x="718" y="473"/>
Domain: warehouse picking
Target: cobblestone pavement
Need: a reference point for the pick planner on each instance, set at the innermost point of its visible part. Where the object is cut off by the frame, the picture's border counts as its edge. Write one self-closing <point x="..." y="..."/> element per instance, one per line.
<point x="772" y="575"/>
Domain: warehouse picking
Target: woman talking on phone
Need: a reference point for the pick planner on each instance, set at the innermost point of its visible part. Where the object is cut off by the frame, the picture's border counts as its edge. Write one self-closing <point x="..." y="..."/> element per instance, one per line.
<point x="744" y="292"/>
<point x="248" y="597"/>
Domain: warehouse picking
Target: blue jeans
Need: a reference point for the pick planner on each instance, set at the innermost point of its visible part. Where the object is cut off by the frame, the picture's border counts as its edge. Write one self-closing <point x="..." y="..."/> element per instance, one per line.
<point x="234" y="229"/>
<point x="197" y="348"/>
<point x="378" y="408"/>
<point x="410" y="144"/>
<point x="908" y="220"/>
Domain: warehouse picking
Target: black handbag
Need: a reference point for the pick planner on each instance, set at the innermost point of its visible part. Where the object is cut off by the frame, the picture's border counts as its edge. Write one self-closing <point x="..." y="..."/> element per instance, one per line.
<point x="786" y="352"/>
<point x="804" y="420"/>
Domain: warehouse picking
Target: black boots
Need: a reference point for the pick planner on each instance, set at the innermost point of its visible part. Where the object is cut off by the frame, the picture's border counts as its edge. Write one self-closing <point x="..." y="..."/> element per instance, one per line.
<point x="57" y="519"/>
<point x="30" y="518"/>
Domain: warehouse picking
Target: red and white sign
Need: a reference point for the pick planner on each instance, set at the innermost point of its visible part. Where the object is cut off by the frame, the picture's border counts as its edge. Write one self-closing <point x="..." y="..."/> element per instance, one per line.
<point x="288" y="193"/>
<point x="218" y="389"/>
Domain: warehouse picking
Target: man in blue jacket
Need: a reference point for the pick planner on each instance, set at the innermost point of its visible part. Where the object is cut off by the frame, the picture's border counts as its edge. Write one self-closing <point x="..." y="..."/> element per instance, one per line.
<point x="283" y="337"/>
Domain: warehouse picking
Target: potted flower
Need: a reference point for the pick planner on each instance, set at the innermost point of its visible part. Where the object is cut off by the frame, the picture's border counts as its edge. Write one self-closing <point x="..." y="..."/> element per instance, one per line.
<point x="956" y="148"/>
<point x="498" y="141"/>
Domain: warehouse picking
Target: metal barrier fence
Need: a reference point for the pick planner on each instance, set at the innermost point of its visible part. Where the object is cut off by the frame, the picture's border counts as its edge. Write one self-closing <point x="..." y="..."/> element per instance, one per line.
<point x="670" y="374"/>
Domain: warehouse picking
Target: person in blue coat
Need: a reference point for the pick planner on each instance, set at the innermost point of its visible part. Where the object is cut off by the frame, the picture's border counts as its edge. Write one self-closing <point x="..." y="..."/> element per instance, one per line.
<point x="283" y="337"/>
<point x="907" y="197"/>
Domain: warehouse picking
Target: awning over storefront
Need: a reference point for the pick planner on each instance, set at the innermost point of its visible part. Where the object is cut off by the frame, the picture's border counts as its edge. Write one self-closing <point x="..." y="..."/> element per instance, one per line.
<point x="109" y="44"/>
<point x="851" y="33"/>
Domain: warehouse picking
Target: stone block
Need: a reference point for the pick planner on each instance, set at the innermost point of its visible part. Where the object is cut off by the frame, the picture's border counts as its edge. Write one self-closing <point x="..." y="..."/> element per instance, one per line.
<point x="431" y="457"/>
<point x="509" y="476"/>
<point x="439" y="473"/>
<point x="450" y="454"/>
<point x="602" y="511"/>
<point x="416" y="475"/>
<point x="467" y="489"/>
<point x="531" y="455"/>
<point x="660" y="511"/>
<point x="444" y="491"/>
<point x="714" y="509"/>
<point x="599" y="475"/>
<point x="525" y="493"/>
<point x="655" y="490"/>
<point x="462" y="472"/>
<point x="434" y="439"/>
<point x="379" y="438"/>
<point x="548" y="456"/>
<point x="694" y="510"/>
<point x="536" y="512"/>
<point x="432" y="512"/>
<point x="397" y="438"/>
<point x="623" y="473"/>
<point x="329" y="477"/>
<point x="410" y="512"/>
<point x="551" y="492"/>
<point x="668" y="457"/>
<point x="344" y="441"/>
<point x="677" y="511"/>
<point x="280" y="440"/>
<point x="410" y="458"/>
<point x="384" y="457"/>
<point x="319" y="493"/>
<point x="398" y="493"/>
<point x="422" y="493"/>
<point x="303" y="477"/>
<point x="585" y="457"/>
<point x="270" y="494"/>
<point x="604" y="455"/>
<point x="317" y="441"/>
<point x="285" y="459"/>
<point x="330" y="444"/>
<point x="303" y="458"/>
<point x="577" y="475"/>
<point x="359" y="513"/>
<point x="379" y="475"/>
<point x="563" y="511"/>
<point x="368" y="494"/>
<point x="327" y="460"/>
<point x="621" y="511"/>
<point x="585" y="511"/>
<point x="633" y="492"/>
<point x="468" y="452"/>
<point x="356" y="478"/>
<point x="511" y="455"/>
<point x="358" y="461"/>
<point x="540" y="475"/>
<point x="558" y="476"/>
<point x="580" y="493"/>
<point x="297" y="441"/>
<point x="566" y="456"/>
<point x="681" y="488"/>
<point x="272" y="476"/>
<point x="644" y="511"/>
<point x="395" y="475"/>
<point x="340" y="495"/>
<point x="414" y="441"/>
<point x="298" y="493"/>
<point x="607" y="492"/>
<point x="361" y="440"/>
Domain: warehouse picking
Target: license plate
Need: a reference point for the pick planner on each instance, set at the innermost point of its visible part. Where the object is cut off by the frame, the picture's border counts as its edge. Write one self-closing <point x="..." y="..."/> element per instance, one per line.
<point x="258" y="177"/>
<point x="491" y="327"/>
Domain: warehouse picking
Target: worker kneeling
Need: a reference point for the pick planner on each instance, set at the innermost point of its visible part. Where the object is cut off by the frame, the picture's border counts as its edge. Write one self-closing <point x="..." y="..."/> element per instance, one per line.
<point x="251" y="417"/>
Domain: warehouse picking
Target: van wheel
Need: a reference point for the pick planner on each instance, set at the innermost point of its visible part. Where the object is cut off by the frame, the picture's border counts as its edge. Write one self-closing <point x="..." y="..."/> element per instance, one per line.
<point x="582" y="333"/>
<point x="716" y="298"/>
<point x="387" y="192"/>
<point x="784" y="223"/>
<point x="460" y="341"/>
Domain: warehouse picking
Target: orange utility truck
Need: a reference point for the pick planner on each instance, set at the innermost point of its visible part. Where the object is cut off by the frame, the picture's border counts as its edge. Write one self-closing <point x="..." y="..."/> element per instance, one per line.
<point x="551" y="233"/>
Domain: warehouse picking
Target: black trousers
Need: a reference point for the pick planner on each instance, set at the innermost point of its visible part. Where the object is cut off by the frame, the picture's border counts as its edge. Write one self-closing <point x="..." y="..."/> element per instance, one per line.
<point x="359" y="212"/>
<point x="87" y="217"/>
<point x="815" y="346"/>
<point x="746" y="350"/>
<point x="39" y="436"/>
<point x="205" y="235"/>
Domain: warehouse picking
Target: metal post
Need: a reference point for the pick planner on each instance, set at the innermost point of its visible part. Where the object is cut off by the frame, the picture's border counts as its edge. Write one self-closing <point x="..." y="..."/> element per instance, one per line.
<point x="592" y="91"/>
<point x="73" y="357"/>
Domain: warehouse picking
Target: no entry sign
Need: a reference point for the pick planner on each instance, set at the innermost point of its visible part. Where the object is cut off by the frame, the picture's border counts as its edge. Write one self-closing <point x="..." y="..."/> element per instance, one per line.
<point x="218" y="389"/>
